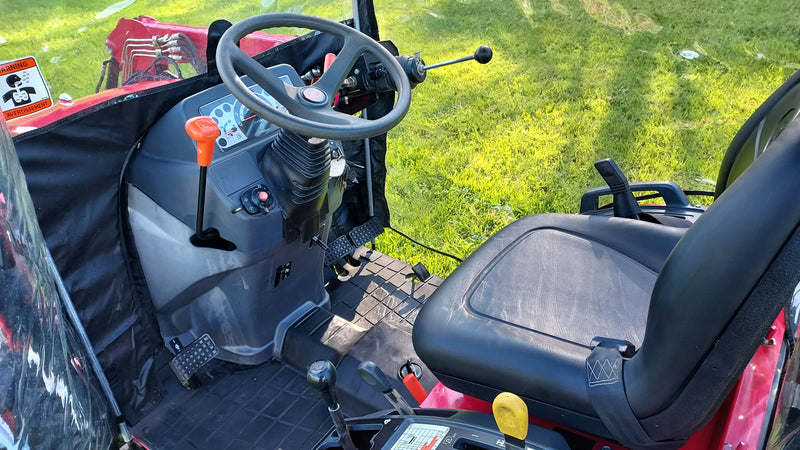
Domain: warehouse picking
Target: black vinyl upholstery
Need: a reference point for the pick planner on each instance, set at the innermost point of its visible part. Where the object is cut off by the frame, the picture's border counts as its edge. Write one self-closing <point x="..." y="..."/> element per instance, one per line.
<point x="519" y="314"/>
<point x="530" y="289"/>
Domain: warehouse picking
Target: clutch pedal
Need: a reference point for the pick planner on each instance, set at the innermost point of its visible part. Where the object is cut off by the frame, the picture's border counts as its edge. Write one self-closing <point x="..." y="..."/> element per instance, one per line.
<point x="194" y="356"/>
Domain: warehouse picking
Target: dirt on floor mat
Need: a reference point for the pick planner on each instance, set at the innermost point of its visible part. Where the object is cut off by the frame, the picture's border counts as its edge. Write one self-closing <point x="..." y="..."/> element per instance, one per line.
<point x="381" y="287"/>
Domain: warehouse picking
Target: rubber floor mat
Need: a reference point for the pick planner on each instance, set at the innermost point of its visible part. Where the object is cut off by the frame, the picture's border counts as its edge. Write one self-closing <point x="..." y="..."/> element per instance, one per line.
<point x="269" y="406"/>
<point x="380" y="288"/>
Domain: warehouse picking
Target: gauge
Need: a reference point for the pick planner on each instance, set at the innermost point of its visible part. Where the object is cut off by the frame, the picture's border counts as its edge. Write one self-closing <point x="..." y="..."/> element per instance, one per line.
<point x="230" y="132"/>
<point x="250" y="123"/>
<point x="236" y="122"/>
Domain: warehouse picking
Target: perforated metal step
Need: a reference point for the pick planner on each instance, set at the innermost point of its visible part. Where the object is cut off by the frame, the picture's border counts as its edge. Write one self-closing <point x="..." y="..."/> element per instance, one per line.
<point x="194" y="356"/>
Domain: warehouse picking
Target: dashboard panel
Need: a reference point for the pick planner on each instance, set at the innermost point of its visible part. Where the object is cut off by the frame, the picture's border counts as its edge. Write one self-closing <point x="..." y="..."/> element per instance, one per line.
<point x="237" y="123"/>
<point x="165" y="167"/>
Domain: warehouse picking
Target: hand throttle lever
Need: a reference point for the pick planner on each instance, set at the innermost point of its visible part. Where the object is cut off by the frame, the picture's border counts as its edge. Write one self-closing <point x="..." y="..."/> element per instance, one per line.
<point x="416" y="70"/>
<point x="374" y="376"/>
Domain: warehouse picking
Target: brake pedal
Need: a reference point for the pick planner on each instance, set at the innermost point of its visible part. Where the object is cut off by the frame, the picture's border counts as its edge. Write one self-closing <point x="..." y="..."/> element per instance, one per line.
<point x="358" y="236"/>
<point x="194" y="356"/>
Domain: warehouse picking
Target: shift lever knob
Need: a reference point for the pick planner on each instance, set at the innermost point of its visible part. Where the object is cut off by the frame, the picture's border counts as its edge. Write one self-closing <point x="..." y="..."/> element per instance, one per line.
<point x="374" y="376"/>
<point x="483" y="54"/>
<point x="322" y="377"/>
<point x="205" y="131"/>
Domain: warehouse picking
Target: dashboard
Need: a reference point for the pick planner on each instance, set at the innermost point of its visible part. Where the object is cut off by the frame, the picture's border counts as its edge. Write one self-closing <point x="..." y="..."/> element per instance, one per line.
<point x="165" y="167"/>
<point x="237" y="123"/>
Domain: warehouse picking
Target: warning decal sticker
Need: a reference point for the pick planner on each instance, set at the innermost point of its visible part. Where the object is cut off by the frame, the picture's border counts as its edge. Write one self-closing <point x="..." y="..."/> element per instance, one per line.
<point x="22" y="88"/>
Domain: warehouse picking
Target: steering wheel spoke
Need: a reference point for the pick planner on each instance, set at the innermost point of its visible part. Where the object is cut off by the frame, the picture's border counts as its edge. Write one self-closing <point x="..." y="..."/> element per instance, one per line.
<point x="332" y="79"/>
<point x="282" y="92"/>
<point x="310" y="108"/>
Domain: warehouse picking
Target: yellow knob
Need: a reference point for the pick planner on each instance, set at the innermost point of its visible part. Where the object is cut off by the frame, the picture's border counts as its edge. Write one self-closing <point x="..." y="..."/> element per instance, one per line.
<point x="511" y="415"/>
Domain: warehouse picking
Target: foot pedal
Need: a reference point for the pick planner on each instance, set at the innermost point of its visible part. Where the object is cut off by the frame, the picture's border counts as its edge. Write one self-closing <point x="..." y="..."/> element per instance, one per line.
<point x="194" y="356"/>
<point x="340" y="247"/>
<point x="421" y="272"/>
<point x="358" y="236"/>
<point x="366" y="232"/>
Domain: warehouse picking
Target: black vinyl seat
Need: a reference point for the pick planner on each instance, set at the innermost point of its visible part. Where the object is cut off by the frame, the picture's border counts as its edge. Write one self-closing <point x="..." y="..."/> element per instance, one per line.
<point x="520" y="314"/>
<point x="523" y="309"/>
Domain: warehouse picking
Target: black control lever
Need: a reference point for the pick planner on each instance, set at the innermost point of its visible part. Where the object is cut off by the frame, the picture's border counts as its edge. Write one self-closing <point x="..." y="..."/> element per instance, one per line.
<point x="482" y="55"/>
<point x="374" y="376"/>
<point x="416" y="70"/>
<point x="625" y="205"/>
<point x="321" y="376"/>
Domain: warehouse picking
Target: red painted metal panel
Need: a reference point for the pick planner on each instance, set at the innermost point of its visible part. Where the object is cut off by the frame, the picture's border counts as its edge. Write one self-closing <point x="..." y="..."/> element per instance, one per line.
<point x="738" y="423"/>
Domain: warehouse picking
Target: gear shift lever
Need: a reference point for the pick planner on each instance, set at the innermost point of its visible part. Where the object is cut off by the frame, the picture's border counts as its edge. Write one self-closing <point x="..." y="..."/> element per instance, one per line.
<point x="321" y="376"/>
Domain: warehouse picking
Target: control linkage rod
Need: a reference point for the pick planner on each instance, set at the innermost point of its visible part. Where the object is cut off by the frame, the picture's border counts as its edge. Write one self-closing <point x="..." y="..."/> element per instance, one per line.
<point x="482" y="55"/>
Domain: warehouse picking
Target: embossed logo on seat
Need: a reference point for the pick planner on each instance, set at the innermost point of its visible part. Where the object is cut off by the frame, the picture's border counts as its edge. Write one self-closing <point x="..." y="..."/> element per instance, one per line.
<point x="603" y="372"/>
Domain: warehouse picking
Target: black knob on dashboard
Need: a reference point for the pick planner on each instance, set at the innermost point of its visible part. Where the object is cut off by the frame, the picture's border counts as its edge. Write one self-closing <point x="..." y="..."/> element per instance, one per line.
<point x="483" y="54"/>
<point x="321" y="376"/>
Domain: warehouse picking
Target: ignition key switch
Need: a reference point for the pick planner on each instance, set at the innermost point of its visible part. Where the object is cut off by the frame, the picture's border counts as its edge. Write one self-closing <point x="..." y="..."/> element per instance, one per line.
<point x="256" y="200"/>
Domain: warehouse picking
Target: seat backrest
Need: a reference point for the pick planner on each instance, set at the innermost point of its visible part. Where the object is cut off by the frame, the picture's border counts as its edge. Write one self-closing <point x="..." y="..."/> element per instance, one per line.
<point x="760" y="130"/>
<point x="717" y="294"/>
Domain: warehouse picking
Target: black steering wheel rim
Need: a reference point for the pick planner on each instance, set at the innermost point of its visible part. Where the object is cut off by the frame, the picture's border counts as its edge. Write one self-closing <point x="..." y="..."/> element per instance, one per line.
<point x="310" y="111"/>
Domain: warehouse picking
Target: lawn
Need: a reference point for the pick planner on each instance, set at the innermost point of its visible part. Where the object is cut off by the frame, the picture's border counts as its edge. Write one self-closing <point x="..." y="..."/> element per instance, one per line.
<point x="572" y="81"/>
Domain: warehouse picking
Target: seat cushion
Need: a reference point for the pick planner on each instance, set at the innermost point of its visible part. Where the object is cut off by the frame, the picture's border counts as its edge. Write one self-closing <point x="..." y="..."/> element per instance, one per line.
<point x="520" y="313"/>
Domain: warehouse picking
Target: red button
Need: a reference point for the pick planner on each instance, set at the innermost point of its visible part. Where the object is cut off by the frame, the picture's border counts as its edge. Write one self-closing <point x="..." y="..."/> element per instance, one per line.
<point x="263" y="196"/>
<point x="314" y="95"/>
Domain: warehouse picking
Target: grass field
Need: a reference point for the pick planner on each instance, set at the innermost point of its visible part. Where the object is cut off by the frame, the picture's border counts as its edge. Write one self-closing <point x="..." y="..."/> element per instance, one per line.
<point x="572" y="81"/>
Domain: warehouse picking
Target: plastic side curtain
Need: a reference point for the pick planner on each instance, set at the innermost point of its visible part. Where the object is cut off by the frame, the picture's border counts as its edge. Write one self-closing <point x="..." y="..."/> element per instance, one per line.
<point x="49" y="397"/>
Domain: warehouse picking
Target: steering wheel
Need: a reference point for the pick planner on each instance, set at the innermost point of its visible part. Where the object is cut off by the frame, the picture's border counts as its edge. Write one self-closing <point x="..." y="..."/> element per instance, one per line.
<point x="310" y="108"/>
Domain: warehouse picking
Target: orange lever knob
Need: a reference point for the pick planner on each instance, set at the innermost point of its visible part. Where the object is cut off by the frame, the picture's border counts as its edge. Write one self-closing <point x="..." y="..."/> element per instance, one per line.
<point x="205" y="131"/>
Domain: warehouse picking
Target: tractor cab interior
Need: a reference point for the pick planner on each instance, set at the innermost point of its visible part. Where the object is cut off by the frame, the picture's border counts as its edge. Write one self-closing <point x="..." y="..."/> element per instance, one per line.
<point x="220" y="268"/>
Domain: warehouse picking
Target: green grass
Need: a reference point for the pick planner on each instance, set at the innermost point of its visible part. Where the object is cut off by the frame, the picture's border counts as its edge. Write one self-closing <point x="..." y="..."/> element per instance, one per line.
<point x="68" y="38"/>
<point x="572" y="81"/>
